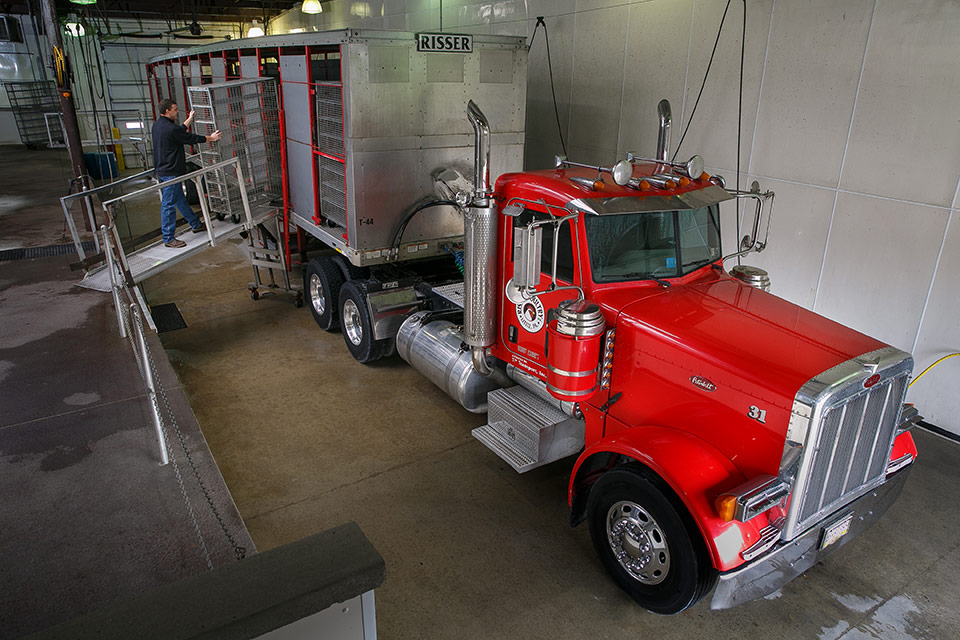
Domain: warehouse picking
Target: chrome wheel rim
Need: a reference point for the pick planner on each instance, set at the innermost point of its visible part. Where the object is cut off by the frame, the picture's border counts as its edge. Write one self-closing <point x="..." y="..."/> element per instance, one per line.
<point x="638" y="543"/>
<point x="351" y="322"/>
<point x="317" y="298"/>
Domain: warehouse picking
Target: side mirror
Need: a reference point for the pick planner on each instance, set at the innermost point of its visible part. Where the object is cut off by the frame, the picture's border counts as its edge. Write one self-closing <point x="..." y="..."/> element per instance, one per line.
<point x="526" y="256"/>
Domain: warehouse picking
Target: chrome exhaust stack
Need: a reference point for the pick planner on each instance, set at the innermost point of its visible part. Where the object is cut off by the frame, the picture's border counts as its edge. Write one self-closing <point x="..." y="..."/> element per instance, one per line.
<point x="480" y="250"/>
<point x="663" y="139"/>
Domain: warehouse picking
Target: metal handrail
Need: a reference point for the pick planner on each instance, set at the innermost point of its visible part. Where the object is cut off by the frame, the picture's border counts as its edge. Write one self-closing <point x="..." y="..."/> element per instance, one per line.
<point x="86" y="194"/>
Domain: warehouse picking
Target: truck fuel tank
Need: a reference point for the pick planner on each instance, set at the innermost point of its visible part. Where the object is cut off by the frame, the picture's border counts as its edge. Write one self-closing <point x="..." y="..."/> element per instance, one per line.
<point x="436" y="349"/>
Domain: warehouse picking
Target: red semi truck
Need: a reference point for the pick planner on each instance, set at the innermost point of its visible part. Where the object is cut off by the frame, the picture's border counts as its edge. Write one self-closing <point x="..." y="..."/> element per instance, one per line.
<point x="726" y="439"/>
<point x="730" y="439"/>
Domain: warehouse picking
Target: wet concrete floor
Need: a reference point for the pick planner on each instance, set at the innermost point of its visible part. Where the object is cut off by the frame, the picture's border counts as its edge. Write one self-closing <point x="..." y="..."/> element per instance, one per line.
<point x="307" y="438"/>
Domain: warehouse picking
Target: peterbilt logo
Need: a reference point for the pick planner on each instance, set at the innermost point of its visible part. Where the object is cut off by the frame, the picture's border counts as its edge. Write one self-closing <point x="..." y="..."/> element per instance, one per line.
<point x="872" y="380"/>
<point x="703" y="383"/>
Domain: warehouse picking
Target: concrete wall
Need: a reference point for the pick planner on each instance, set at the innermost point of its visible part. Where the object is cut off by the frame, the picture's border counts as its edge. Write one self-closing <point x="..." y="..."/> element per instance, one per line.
<point x="849" y="114"/>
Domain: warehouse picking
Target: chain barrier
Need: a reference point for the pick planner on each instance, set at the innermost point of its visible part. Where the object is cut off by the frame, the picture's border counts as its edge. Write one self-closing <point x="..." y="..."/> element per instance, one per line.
<point x="238" y="550"/>
<point x="131" y="315"/>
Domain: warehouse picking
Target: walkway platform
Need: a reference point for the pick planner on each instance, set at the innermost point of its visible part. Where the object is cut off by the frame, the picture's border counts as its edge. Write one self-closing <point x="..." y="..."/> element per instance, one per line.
<point x="154" y="258"/>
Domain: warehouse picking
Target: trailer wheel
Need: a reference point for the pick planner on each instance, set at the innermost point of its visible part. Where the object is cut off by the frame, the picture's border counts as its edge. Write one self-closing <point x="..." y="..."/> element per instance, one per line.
<point x="356" y="324"/>
<point x="322" y="282"/>
<point x="643" y="542"/>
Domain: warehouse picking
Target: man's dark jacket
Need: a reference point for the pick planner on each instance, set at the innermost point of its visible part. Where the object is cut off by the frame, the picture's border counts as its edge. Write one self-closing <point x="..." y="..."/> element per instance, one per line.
<point x="168" y="141"/>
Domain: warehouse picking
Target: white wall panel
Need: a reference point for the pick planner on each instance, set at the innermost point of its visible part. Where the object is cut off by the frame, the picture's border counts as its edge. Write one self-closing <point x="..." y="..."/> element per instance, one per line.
<point x="809" y="86"/>
<point x="656" y="57"/>
<point x="541" y="126"/>
<point x="798" y="236"/>
<point x="936" y="394"/>
<point x="598" y="73"/>
<point x="905" y="141"/>
<point x="879" y="262"/>
<point x="713" y="133"/>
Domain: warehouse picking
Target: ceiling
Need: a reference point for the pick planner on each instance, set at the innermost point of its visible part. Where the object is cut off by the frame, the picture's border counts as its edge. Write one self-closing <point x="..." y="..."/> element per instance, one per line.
<point x="176" y="11"/>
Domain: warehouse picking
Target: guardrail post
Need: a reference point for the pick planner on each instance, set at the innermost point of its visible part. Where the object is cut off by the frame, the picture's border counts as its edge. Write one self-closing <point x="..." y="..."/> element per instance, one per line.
<point x="205" y="210"/>
<point x="111" y="268"/>
<point x="243" y="196"/>
<point x="136" y="324"/>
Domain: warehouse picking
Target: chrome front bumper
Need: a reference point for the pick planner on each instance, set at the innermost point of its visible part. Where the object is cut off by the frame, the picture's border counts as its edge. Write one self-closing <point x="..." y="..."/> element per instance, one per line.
<point x="788" y="560"/>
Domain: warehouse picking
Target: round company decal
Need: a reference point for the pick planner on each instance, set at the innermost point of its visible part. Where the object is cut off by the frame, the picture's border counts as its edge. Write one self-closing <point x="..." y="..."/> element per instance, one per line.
<point x="530" y="315"/>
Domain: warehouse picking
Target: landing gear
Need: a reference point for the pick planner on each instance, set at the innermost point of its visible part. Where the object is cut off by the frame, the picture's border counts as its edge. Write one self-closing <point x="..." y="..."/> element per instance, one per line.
<point x="645" y="544"/>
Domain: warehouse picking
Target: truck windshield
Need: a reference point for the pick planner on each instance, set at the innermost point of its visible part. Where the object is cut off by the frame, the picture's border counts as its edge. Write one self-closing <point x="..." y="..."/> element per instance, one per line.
<point x="645" y="246"/>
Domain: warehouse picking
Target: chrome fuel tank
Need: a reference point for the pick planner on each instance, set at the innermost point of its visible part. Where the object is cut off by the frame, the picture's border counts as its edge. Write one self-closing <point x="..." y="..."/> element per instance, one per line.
<point x="435" y="349"/>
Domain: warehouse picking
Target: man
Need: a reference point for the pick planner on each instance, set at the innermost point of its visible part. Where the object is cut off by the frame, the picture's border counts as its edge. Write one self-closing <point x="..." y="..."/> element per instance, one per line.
<point x="170" y="162"/>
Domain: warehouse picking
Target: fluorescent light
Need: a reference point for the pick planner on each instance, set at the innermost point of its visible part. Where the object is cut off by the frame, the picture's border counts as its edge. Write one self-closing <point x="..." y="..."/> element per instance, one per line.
<point x="133" y="125"/>
<point x="311" y="6"/>
<point x="256" y="30"/>
<point x="297" y="30"/>
<point x="83" y="1"/>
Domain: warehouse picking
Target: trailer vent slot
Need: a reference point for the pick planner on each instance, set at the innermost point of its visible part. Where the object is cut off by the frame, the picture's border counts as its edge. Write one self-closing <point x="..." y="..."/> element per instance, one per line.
<point x="333" y="197"/>
<point x="330" y="119"/>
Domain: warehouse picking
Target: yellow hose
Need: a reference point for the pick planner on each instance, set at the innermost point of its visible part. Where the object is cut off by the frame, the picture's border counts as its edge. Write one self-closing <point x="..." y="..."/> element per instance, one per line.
<point x="931" y="367"/>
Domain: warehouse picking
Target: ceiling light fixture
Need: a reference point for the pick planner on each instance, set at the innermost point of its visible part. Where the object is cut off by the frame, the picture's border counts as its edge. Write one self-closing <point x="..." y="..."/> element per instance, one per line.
<point x="83" y="1"/>
<point x="311" y="6"/>
<point x="256" y="29"/>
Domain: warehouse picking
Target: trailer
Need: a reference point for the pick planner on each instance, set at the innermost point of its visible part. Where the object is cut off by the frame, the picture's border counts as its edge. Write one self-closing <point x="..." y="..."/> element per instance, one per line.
<point x="726" y="439"/>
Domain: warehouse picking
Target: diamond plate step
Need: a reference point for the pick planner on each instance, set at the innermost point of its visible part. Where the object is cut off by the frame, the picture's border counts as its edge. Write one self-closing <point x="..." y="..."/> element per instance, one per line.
<point x="527" y="431"/>
<point x="496" y="443"/>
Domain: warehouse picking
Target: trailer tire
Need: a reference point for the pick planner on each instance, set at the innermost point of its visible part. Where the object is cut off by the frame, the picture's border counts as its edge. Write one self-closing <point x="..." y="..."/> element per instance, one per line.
<point x="321" y="284"/>
<point x="356" y="324"/>
<point x="645" y="544"/>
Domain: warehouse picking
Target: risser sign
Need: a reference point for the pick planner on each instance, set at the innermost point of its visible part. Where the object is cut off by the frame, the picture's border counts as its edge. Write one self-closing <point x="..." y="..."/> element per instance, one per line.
<point x="445" y="42"/>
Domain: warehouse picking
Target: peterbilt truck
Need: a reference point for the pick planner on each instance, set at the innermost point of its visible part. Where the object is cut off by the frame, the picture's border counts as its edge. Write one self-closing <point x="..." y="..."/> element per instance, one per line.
<point x="725" y="440"/>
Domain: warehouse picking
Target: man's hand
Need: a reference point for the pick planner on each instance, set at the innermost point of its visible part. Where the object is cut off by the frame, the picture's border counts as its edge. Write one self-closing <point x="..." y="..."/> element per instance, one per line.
<point x="189" y="119"/>
<point x="216" y="135"/>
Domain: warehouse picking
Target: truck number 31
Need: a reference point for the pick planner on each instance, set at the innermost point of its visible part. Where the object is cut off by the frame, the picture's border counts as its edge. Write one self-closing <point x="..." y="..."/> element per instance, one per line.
<point x="758" y="414"/>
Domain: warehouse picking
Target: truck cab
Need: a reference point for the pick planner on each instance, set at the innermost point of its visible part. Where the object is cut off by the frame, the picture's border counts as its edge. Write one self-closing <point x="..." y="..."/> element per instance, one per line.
<point x="731" y="439"/>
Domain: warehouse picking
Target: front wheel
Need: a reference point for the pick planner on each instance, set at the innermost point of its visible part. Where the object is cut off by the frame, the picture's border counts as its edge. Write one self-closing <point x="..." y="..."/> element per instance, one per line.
<point x="644" y="543"/>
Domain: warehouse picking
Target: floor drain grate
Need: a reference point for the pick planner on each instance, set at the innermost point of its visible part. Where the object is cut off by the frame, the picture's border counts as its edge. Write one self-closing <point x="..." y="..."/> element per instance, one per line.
<point x="167" y="317"/>
<point x="26" y="253"/>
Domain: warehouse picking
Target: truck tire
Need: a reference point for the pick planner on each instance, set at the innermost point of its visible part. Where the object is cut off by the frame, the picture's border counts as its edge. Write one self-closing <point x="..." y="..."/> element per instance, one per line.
<point x="322" y="282"/>
<point x="644" y="543"/>
<point x="356" y="324"/>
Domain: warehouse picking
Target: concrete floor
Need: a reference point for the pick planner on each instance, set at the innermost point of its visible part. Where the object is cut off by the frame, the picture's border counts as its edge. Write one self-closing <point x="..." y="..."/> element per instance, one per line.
<point x="307" y="438"/>
<point x="87" y="515"/>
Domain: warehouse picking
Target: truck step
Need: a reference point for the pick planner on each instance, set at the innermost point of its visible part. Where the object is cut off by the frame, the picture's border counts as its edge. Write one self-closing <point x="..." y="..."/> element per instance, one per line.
<point x="526" y="431"/>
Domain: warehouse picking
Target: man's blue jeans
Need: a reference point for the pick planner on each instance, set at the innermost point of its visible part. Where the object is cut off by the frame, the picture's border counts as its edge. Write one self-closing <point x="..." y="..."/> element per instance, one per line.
<point x="173" y="198"/>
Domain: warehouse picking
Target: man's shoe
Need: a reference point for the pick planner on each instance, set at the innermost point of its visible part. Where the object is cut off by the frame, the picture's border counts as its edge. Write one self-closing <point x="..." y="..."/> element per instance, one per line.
<point x="175" y="244"/>
<point x="201" y="229"/>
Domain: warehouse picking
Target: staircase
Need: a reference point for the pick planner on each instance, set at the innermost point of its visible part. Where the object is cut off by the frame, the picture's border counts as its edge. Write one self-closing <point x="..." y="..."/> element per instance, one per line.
<point x="526" y="431"/>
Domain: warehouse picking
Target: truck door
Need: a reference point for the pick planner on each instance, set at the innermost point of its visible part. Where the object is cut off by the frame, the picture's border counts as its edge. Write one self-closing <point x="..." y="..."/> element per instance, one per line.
<point x="523" y="325"/>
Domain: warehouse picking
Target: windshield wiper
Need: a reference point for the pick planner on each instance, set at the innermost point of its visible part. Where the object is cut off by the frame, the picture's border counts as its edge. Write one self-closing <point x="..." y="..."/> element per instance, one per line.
<point x="647" y="276"/>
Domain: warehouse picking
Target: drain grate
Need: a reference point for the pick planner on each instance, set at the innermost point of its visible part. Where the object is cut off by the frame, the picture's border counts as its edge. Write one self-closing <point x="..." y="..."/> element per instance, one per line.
<point x="26" y="253"/>
<point x="167" y="317"/>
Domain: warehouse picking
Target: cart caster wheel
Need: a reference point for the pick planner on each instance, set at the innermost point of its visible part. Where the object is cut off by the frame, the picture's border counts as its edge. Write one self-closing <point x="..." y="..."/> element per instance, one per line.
<point x="219" y="217"/>
<point x="254" y="294"/>
<point x="298" y="301"/>
<point x="235" y="218"/>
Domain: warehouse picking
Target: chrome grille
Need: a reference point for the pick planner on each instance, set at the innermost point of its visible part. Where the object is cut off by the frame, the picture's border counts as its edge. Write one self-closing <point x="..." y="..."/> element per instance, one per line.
<point x="851" y="448"/>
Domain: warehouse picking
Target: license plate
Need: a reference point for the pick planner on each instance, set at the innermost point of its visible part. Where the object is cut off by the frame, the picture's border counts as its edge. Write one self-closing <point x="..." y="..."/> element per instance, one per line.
<point x="836" y="531"/>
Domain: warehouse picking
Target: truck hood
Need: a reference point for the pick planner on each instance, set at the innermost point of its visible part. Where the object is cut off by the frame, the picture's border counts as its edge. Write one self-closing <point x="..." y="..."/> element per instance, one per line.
<point x="751" y="339"/>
